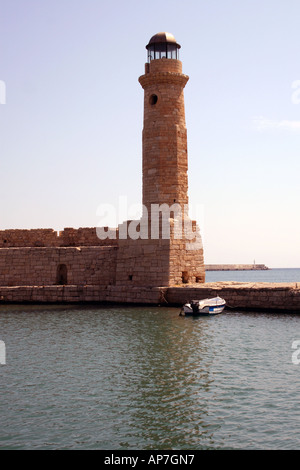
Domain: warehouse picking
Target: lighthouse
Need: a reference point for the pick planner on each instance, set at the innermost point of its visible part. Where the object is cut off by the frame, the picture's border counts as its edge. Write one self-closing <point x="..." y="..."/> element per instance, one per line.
<point x="175" y="257"/>
<point x="164" y="133"/>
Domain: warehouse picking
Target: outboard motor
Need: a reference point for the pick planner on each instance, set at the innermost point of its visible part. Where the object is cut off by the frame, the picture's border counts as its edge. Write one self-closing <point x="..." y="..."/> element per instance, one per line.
<point x="195" y="306"/>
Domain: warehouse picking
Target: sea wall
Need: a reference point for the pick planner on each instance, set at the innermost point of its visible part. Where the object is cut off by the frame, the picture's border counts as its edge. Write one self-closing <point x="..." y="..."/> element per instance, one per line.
<point x="235" y="267"/>
<point x="83" y="293"/>
<point x="273" y="297"/>
<point x="268" y="297"/>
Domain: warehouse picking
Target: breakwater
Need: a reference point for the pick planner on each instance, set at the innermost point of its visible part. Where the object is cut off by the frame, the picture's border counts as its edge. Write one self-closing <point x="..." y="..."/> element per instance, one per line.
<point x="272" y="297"/>
<point x="264" y="296"/>
<point x="235" y="267"/>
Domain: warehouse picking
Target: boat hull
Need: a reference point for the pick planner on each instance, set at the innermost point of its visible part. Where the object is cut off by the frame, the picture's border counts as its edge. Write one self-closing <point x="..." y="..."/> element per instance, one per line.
<point x="206" y="307"/>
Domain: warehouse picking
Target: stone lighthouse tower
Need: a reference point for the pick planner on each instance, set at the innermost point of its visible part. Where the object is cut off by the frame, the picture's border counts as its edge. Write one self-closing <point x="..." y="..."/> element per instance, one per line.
<point x="170" y="251"/>
<point x="164" y="133"/>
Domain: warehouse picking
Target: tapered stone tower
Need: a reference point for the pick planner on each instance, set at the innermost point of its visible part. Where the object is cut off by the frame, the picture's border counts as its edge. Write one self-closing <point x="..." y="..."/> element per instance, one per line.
<point x="170" y="251"/>
<point x="164" y="133"/>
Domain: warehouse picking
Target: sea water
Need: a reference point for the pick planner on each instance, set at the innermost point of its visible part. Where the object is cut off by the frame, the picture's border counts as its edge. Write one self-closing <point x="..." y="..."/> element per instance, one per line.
<point x="99" y="377"/>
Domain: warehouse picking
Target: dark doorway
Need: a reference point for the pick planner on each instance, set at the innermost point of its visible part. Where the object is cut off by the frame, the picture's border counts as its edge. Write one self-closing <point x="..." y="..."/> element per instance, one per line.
<point x="62" y="274"/>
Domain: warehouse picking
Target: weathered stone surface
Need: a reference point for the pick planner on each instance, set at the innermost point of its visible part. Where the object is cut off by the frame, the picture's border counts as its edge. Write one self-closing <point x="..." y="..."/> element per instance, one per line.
<point x="262" y="297"/>
<point x="242" y="295"/>
<point x="39" y="266"/>
<point x="86" y="236"/>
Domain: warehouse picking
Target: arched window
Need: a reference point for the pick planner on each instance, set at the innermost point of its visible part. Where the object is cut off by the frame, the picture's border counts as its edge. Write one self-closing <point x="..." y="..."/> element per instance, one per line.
<point x="62" y="274"/>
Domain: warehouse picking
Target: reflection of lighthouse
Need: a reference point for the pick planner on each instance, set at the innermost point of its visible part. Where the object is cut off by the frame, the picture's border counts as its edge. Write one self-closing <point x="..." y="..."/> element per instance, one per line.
<point x="159" y="260"/>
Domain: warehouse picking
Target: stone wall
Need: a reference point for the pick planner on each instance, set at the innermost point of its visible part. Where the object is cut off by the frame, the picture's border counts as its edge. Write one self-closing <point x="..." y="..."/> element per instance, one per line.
<point x="84" y="293"/>
<point x="162" y="261"/>
<point x="143" y="263"/>
<point x="86" y="236"/>
<point x="272" y="298"/>
<point x="186" y="258"/>
<point x="34" y="237"/>
<point x="52" y="265"/>
<point x="33" y="257"/>
<point x="262" y="296"/>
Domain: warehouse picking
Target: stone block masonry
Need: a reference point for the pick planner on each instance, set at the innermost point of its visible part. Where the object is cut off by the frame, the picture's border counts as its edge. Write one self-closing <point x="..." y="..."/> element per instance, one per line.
<point x="86" y="236"/>
<point x="165" y="167"/>
<point x="161" y="261"/>
<point x="82" y="294"/>
<point x="49" y="266"/>
<point x="262" y="297"/>
<point x="43" y="257"/>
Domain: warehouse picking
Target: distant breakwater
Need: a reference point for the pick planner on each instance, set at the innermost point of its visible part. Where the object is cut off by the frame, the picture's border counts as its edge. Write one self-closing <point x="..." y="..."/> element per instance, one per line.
<point x="235" y="267"/>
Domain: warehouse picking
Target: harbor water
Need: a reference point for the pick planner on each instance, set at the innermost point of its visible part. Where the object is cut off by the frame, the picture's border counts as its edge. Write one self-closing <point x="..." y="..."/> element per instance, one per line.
<point x="115" y="377"/>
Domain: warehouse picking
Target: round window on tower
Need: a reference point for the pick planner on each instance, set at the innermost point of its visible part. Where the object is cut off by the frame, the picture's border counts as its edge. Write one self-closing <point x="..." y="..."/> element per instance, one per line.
<point x="153" y="99"/>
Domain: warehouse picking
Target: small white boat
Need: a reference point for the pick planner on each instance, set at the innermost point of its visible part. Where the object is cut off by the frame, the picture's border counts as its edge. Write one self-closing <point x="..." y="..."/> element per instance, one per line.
<point x="212" y="306"/>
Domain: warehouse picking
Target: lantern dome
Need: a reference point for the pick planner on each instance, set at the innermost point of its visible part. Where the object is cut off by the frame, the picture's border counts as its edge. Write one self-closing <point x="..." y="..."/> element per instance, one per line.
<point x="163" y="45"/>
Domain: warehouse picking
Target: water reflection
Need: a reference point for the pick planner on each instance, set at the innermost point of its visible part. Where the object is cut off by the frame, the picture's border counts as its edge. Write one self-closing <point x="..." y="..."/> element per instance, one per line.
<point x="172" y="379"/>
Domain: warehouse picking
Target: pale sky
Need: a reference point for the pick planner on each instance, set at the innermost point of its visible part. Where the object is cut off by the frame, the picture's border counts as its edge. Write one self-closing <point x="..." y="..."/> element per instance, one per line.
<point x="72" y="118"/>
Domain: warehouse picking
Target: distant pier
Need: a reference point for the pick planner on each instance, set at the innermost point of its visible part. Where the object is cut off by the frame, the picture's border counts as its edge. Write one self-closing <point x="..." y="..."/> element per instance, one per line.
<point x="235" y="267"/>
